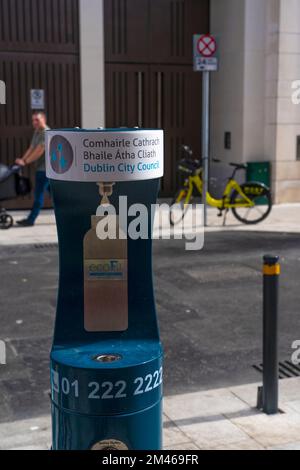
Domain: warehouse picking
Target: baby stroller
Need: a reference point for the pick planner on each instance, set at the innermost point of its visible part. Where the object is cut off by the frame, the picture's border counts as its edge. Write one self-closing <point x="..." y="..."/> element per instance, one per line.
<point x="12" y="185"/>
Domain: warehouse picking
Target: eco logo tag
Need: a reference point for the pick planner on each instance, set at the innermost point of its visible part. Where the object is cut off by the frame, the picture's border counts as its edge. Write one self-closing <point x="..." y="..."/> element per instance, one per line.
<point x="106" y="269"/>
<point x="61" y="154"/>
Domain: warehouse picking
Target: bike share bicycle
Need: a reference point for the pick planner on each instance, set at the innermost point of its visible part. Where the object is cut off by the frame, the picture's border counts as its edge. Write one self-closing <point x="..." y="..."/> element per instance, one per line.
<point x="251" y="202"/>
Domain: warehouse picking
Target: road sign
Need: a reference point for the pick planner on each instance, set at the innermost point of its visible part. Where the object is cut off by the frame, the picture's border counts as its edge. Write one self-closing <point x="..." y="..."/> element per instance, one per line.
<point x="205" y="53"/>
<point x="37" y="98"/>
<point x="207" y="46"/>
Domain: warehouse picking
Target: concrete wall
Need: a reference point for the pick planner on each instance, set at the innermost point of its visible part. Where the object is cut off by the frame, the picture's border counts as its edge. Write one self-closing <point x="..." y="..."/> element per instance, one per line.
<point x="92" y="63"/>
<point x="228" y="22"/>
<point x="238" y="89"/>
<point x="254" y="81"/>
<point x="259" y="60"/>
<point x="287" y="168"/>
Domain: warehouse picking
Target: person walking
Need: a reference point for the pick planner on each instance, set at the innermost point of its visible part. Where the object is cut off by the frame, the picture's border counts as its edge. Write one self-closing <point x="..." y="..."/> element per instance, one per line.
<point x="36" y="154"/>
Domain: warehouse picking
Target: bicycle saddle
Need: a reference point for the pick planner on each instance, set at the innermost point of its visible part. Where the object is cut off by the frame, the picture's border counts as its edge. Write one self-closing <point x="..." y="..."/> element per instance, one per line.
<point x="239" y="166"/>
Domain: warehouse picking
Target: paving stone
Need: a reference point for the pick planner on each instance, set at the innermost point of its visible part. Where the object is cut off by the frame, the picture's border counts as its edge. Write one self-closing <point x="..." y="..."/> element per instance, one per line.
<point x="183" y="446"/>
<point x="245" y="444"/>
<point x="172" y="434"/>
<point x="291" y="446"/>
<point x="291" y="406"/>
<point x="270" y="431"/>
<point x="190" y="407"/>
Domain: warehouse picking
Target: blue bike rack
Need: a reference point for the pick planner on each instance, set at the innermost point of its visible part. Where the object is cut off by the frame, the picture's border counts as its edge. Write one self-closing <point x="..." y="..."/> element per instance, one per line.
<point x="106" y="386"/>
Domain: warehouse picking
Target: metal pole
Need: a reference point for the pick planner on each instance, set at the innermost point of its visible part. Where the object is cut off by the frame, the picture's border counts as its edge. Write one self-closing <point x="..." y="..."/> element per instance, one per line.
<point x="271" y="271"/>
<point x="205" y="139"/>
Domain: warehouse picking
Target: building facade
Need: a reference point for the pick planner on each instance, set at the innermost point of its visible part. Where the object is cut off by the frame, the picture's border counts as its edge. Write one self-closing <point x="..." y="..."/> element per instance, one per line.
<point x="252" y="93"/>
<point x="129" y="63"/>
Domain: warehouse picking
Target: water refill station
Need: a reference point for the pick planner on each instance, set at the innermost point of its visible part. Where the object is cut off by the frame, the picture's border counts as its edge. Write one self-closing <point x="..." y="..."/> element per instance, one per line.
<point x="106" y="359"/>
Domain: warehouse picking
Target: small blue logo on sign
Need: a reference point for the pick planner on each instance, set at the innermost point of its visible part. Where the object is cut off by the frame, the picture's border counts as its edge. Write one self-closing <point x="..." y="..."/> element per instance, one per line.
<point x="61" y="154"/>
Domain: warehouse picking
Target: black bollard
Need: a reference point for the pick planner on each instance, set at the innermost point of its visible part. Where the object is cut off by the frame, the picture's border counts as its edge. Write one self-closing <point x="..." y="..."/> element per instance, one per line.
<point x="271" y="273"/>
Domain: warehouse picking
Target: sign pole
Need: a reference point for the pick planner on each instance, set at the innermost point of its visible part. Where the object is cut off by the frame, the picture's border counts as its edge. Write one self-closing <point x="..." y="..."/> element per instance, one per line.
<point x="205" y="50"/>
<point x="205" y="139"/>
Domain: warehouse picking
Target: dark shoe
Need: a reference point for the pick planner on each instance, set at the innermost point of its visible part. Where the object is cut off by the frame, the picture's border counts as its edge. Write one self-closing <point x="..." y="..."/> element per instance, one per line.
<point x="25" y="223"/>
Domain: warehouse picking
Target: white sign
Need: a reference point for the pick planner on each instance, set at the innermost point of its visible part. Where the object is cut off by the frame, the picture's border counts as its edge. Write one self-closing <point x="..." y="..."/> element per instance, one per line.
<point x="102" y="155"/>
<point x="205" y="53"/>
<point x="37" y="98"/>
<point x="205" y="65"/>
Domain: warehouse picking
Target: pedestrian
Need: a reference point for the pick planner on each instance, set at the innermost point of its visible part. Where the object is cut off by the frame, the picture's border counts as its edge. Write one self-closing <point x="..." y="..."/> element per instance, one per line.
<point x="36" y="154"/>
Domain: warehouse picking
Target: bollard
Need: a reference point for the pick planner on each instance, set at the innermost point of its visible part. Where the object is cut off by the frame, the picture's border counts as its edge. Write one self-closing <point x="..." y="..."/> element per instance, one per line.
<point x="106" y="358"/>
<point x="271" y="272"/>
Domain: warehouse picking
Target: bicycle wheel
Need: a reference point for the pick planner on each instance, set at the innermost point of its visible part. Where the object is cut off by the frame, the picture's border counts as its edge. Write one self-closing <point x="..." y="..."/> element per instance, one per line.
<point x="260" y="195"/>
<point x="6" y="221"/>
<point x="177" y="209"/>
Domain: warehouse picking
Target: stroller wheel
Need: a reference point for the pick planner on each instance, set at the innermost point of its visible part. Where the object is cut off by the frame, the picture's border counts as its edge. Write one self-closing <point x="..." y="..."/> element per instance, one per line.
<point x="6" y="221"/>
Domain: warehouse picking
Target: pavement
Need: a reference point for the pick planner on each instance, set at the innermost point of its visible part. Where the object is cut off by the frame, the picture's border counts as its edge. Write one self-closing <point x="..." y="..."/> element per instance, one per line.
<point x="210" y="314"/>
<point x="221" y="419"/>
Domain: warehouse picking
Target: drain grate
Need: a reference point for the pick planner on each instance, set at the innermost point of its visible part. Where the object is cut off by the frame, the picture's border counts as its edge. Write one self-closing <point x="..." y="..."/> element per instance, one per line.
<point x="44" y="246"/>
<point x="287" y="370"/>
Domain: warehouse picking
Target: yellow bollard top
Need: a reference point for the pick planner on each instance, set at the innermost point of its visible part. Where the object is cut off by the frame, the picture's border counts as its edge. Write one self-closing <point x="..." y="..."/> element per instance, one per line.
<point x="271" y="266"/>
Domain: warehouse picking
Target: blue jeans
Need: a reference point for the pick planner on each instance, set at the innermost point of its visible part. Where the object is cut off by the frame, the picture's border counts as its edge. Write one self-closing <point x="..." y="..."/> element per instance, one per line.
<point x="41" y="185"/>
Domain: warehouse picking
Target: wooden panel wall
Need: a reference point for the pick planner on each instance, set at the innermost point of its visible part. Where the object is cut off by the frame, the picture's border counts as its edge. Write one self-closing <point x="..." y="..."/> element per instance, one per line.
<point x="149" y="77"/>
<point x="39" y="48"/>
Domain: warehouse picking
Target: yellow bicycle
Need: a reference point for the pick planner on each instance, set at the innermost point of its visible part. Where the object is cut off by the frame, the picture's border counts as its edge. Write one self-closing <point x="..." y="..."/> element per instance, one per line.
<point x="250" y="202"/>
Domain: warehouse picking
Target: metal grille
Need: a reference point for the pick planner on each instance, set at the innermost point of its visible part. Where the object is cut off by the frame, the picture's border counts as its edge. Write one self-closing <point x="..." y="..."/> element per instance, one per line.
<point x="287" y="370"/>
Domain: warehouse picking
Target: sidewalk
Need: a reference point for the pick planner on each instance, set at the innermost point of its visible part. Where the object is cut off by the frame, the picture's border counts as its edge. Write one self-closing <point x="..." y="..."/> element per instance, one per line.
<point x="283" y="218"/>
<point x="222" y="419"/>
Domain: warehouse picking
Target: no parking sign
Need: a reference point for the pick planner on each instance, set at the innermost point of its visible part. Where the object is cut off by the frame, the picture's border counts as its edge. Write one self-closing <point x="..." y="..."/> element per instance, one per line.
<point x="205" y="53"/>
